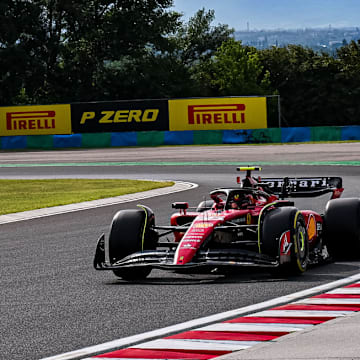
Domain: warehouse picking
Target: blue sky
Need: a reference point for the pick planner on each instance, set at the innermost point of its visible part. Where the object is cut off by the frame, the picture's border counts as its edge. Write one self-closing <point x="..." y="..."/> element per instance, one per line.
<point x="274" y="14"/>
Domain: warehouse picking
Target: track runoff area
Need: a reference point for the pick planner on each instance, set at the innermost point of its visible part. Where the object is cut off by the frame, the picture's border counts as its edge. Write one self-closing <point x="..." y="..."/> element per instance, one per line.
<point x="242" y="328"/>
<point x="235" y="330"/>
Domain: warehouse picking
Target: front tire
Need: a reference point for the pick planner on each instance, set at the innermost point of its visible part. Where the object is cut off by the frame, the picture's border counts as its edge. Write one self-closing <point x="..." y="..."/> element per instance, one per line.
<point x="130" y="233"/>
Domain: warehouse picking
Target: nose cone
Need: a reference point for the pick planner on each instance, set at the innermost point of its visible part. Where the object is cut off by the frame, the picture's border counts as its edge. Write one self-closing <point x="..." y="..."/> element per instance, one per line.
<point x="193" y="239"/>
<point x="185" y="255"/>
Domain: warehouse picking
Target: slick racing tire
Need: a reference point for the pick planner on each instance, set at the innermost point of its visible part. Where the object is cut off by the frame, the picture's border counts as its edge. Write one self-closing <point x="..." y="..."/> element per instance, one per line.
<point x="278" y="221"/>
<point x="342" y="227"/>
<point x="205" y="205"/>
<point x="130" y="233"/>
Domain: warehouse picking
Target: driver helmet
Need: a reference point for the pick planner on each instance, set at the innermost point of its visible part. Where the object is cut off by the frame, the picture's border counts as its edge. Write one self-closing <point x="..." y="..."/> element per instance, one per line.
<point x="237" y="201"/>
<point x="241" y="201"/>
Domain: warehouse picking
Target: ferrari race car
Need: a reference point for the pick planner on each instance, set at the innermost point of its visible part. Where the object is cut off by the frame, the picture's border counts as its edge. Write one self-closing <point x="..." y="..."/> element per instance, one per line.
<point x="251" y="225"/>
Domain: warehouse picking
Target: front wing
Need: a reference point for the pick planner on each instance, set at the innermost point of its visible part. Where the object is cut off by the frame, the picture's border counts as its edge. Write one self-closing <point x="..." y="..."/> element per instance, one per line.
<point x="164" y="259"/>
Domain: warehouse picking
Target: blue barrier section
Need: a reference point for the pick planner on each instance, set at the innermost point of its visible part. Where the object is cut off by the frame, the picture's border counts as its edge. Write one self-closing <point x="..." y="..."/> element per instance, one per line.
<point x="124" y="139"/>
<point x="293" y="134"/>
<point x="179" y="138"/>
<point x="13" y="142"/>
<point x="201" y="137"/>
<point x="237" y="136"/>
<point x="67" y="141"/>
<point x="350" y="133"/>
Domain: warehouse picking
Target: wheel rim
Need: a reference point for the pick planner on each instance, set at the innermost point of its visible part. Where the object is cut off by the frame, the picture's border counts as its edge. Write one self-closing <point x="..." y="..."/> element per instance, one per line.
<point x="301" y="244"/>
<point x="302" y="241"/>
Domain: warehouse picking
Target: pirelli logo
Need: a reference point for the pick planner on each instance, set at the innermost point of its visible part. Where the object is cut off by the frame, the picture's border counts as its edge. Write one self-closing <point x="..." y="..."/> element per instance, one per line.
<point x="231" y="113"/>
<point x="35" y="120"/>
<point x="216" y="114"/>
<point x="30" y="120"/>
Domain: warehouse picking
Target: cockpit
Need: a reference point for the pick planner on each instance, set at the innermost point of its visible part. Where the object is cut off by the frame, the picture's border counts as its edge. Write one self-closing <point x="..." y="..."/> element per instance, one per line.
<point x="238" y="199"/>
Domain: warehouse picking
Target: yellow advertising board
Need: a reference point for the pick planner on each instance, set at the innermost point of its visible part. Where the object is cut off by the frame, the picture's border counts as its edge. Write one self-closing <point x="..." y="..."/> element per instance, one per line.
<point x="35" y="120"/>
<point x="218" y="113"/>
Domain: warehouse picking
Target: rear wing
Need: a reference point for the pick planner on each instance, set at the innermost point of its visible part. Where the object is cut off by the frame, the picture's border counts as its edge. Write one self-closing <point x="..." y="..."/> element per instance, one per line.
<point x="303" y="186"/>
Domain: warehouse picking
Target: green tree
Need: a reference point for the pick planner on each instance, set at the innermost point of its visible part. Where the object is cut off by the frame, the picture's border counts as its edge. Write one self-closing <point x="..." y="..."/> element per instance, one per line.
<point x="305" y="81"/>
<point x="121" y="32"/>
<point x="21" y="67"/>
<point x="197" y="40"/>
<point x="170" y="72"/>
<point x="348" y="82"/>
<point x="235" y="70"/>
<point x="61" y="47"/>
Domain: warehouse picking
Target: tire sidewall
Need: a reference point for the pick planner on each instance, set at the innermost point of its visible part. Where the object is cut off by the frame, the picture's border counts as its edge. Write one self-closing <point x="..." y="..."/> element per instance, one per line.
<point x="300" y="245"/>
<point x="130" y="232"/>
<point x="277" y="222"/>
<point x="342" y="227"/>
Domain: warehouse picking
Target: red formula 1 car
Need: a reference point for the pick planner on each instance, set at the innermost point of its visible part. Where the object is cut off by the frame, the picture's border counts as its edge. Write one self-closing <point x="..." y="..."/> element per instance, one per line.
<point x="252" y="225"/>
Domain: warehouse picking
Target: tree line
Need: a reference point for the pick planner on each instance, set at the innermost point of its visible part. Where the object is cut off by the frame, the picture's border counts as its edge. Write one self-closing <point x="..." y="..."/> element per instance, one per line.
<point x="60" y="51"/>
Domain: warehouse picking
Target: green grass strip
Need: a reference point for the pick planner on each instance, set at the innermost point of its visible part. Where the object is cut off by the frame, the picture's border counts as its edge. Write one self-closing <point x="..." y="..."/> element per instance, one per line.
<point x="23" y="195"/>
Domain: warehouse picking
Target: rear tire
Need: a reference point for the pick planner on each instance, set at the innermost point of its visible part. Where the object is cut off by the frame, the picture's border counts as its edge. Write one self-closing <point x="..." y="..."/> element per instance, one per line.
<point x="342" y="227"/>
<point x="300" y="241"/>
<point x="128" y="236"/>
<point x="277" y="222"/>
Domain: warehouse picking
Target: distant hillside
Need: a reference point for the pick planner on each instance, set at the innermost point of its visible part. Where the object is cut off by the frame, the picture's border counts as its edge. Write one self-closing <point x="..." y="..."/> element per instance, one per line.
<point x="322" y="39"/>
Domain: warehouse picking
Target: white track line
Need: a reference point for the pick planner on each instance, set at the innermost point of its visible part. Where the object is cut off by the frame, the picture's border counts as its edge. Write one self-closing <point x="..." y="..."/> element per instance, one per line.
<point x="170" y="344"/>
<point x="346" y="291"/>
<point x="257" y="327"/>
<point x="301" y="313"/>
<point x="151" y="335"/>
<point x="326" y="301"/>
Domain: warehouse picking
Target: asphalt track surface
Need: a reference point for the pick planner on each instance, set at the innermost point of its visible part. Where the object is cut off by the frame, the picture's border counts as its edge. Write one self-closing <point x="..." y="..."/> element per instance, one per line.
<point x="52" y="301"/>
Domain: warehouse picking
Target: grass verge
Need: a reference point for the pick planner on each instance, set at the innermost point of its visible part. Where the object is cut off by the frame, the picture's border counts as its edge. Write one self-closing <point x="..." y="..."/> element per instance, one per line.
<point x="23" y="195"/>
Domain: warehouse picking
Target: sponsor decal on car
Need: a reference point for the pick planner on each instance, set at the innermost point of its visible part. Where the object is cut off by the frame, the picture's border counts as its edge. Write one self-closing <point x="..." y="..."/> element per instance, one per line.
<point x="190" y="239"/>
<point x="188" y="246"/>
<point x="213" y="217"/>
<point x="301" y="183"/>
<point x="203" y="225"/>
<point x="285" y="246"/>
<point x="195" y="235"/>
<point x="197" y="231"/>
<point x="319" y="226"/>
<point x="311" y="227"/>
<point x="248" y="219"/>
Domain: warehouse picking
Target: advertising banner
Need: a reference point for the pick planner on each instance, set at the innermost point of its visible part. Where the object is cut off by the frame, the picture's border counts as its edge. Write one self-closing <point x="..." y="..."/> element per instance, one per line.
<point x="118" y="116"/>
<point x="218" y="113"/>
<point x="35" y="120"/>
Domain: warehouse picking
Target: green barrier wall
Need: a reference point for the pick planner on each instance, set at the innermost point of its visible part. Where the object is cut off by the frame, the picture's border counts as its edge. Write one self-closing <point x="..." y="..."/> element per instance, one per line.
<point x="271" y="135"/>
<point x="98" y="140"/>
<point x="324" y="133"/>
<point x="150" y="138"/>
<point x="211" y="137"/>
<point x="42" y="142"/>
